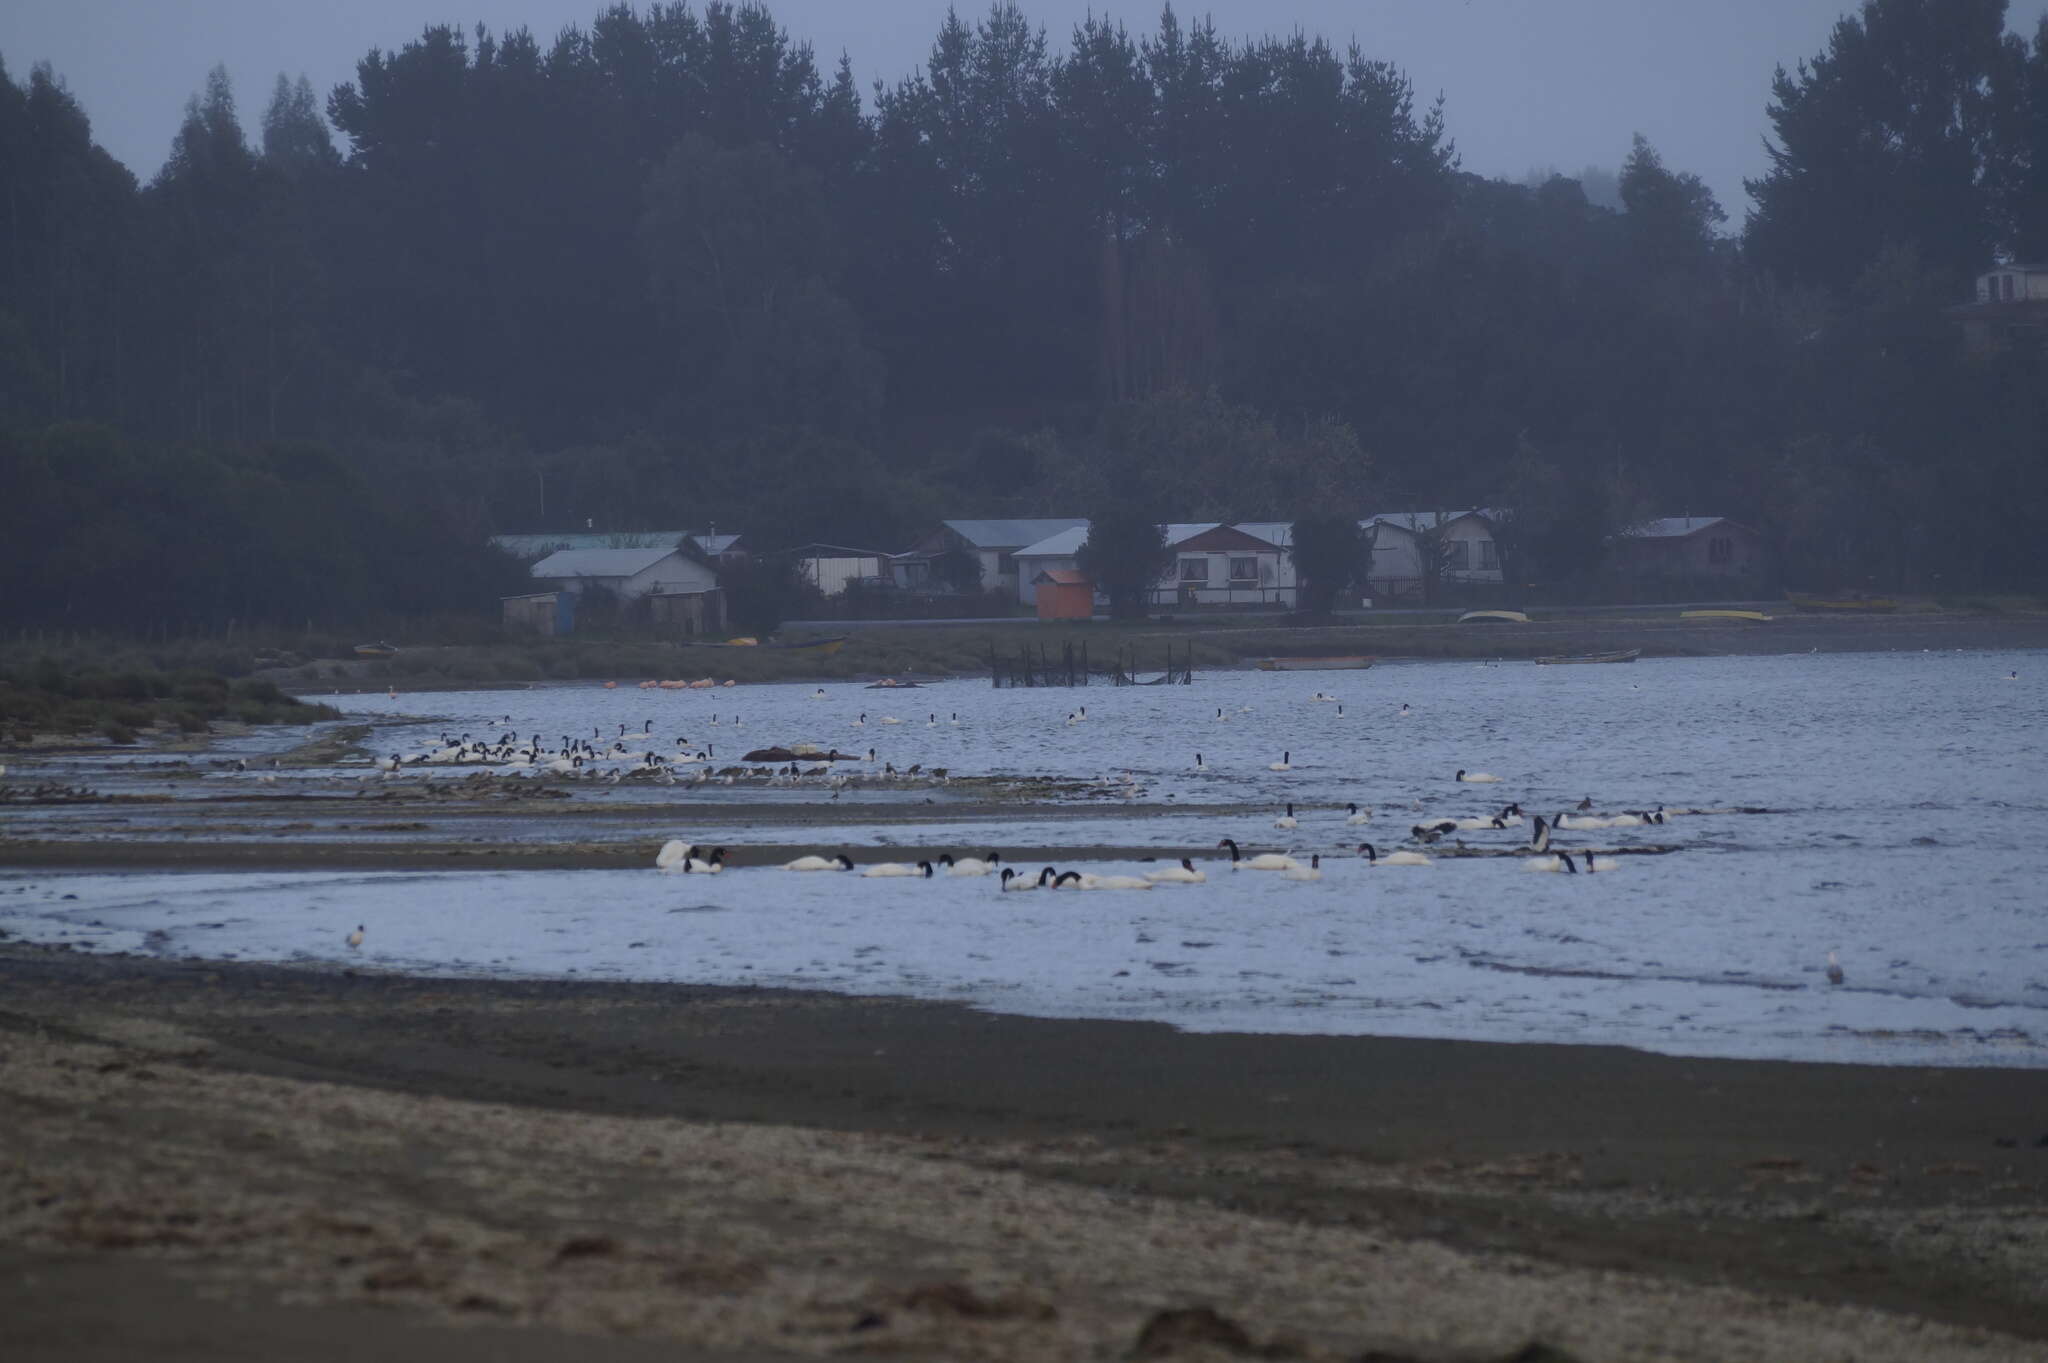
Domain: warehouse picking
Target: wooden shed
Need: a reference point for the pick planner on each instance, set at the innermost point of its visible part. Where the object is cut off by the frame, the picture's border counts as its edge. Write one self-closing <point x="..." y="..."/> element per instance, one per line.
<point x="1064" y="594"/>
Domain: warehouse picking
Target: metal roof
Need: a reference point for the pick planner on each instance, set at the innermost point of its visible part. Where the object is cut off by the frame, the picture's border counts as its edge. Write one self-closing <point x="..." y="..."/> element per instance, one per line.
<point x="1065" y="544"/>
<point x="713" y="544"/>
<point x="1009" y="534"/>
<point x="1671" y="527"/>
<point x="599" y="562"/>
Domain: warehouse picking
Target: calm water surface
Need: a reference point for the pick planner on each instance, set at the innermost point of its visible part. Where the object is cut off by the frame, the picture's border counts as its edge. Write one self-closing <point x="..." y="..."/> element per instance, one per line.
<point x="1907" y="796"/>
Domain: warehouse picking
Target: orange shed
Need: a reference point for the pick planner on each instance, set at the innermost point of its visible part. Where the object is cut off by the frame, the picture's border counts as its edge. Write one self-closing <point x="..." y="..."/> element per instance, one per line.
<point x="1064" y="594"/>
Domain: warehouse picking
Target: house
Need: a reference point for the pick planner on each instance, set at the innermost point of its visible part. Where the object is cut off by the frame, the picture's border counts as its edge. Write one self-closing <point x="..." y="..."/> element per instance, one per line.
<point x="1063" y="594"/>
<point x="1689" y="547"/>
<point x="992" y="544"/>
<point x="1247" y="564"/>
<point x="832" y="568"/>
<point x="1465" y="545"/>
<point x="544" y="613"/>
<point x="1055" y="553"/>
<point x="2010" y="303"/>
<point x="627" y="573"/>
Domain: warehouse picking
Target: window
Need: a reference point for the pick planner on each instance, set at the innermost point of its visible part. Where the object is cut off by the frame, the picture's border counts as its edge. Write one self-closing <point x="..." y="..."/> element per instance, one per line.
<point x="1721" y="550"/>
<point x="1489" y="554"/>
<point x="2007" y="286"/>
<point x="1457" y="554"/>
<point x="1244" y="570"/>
<point x="1194" y="570"/>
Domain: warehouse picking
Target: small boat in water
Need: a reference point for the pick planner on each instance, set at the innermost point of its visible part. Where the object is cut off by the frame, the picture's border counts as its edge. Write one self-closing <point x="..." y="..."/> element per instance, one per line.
<point x="376" y="650"/>
<point x="1493" y="617"/>
<point x="1343" y="663"/>
<point x="1757" y="616"/>
<point x="1620" y="655"/>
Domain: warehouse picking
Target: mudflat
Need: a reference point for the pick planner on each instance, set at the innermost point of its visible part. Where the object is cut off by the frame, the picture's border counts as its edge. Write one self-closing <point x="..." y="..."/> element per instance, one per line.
<point x="226" y="1161"/>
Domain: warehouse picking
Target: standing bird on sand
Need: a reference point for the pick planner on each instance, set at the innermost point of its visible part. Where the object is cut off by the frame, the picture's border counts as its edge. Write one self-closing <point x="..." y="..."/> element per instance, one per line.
<point x="1834" y="967"/>
<point x="355" y="943"/>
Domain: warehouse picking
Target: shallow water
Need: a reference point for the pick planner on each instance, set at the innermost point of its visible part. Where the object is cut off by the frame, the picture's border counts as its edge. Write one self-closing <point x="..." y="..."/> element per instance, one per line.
<point x="1907" y="793"/>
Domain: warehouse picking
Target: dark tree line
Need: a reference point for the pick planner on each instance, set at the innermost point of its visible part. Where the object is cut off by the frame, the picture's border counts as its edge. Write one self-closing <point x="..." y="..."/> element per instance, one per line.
<point x="664" y="270"/>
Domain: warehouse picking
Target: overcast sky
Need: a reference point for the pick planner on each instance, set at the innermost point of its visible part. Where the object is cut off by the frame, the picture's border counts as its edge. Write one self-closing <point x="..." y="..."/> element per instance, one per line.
<point x="1528" y="83"/>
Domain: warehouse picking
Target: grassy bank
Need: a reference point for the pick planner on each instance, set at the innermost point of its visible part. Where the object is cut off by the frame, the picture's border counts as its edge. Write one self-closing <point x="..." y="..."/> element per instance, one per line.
<point x="48" y="698"/>
<point x="433" y="658"/>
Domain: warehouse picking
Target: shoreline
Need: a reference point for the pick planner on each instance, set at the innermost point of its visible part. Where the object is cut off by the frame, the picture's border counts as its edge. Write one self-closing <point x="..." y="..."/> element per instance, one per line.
<point x="942" y="651"/>
<point x="1563" y="1187"/>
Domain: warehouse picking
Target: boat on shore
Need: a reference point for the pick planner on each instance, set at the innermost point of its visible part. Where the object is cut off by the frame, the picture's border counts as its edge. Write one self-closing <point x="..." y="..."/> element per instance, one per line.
<point x="1493" y="617"/>
<point x="1756" y="616"/>
<point x="1619" y="655"/>
<point x="1342" y="663"/>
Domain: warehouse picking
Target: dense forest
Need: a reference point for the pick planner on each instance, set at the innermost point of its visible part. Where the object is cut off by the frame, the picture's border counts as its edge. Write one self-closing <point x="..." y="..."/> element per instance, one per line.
<point x="663" y="270"/>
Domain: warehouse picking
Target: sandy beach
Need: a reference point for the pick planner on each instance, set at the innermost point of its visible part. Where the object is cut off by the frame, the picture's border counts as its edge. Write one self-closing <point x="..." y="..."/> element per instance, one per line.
<point x="261" y="1162"/>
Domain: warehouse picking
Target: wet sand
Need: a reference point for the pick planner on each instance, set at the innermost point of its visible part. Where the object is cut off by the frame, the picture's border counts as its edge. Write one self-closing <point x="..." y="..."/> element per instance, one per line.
<point x="261" y="1162"/>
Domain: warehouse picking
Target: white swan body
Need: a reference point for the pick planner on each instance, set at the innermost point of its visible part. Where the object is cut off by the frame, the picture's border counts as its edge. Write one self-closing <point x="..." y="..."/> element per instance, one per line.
<point x="1393" y="858"/>
<point x="1562" y="861"/>
<point x="1477" y="777"/>
<point x="1286" y="820"/>
<point x="1312" y="871"/>
<point x="1094" y="882"/>
<point x="1183" y="874"/>
<point x="842" y="862"/>
<point x="1284" y="764"/>
<point x="897" y="868"/>
<point x="672" y="855"/>
<point x="972" y="866"/>
<point x="1358" y="816"/>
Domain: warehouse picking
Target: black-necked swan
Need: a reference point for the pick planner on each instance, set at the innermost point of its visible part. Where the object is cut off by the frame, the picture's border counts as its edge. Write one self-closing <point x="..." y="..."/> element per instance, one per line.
<point x="1312" y="871"/>
<point x="972" y="866"/>
<point x="1286" y="820"/>
<point x="1561" y="861"/>
<point x="1264" y="861"/>
<point x="1476" y="777"/>
<point x="1358" y="815"/>
<point x="355" y="941"/>
<point x="1284" y="764"/>
<point x="1393" y="858"/>
<point x="1183" y="874"/>
<point x="1095" y="882"/>
<point x="897" y="868"/>
<point x="673" y="854"/>
<point x="841" y="862"/>
<point x="706" y="866"/>
<point x="1016" y="883"/>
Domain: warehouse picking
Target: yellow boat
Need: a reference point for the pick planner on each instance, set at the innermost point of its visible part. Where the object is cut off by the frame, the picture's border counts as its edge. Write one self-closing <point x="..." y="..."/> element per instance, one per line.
<point x="1723" y="615"/>
<point x="1486" y="617"/>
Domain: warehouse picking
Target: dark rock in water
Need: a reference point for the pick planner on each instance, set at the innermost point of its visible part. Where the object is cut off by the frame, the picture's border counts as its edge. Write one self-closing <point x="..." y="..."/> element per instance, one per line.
<point x="1168" y="1332"/>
